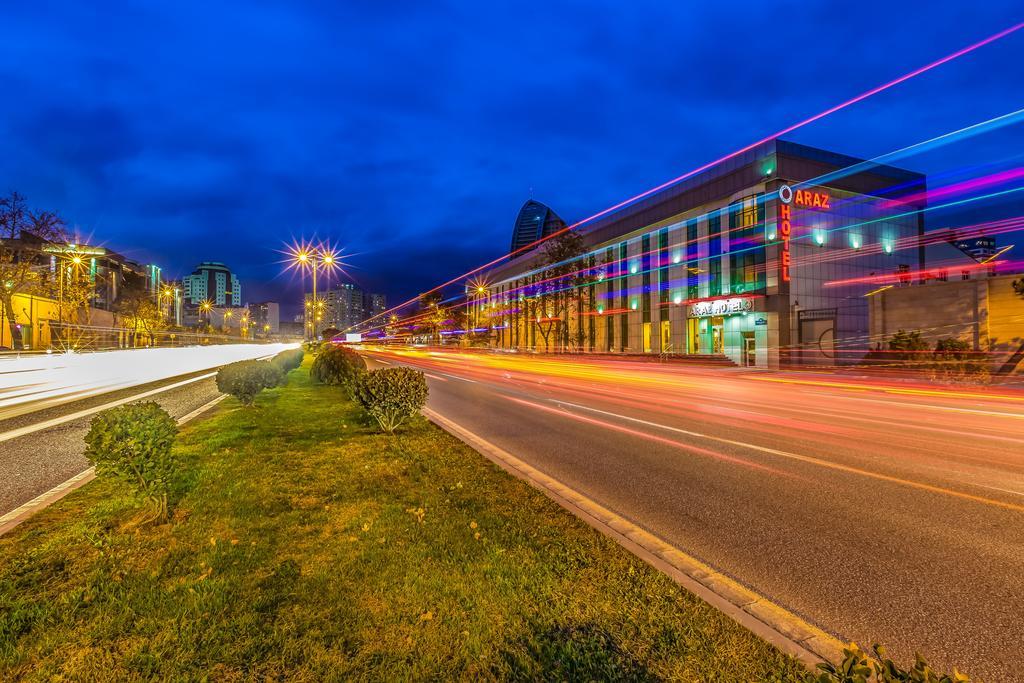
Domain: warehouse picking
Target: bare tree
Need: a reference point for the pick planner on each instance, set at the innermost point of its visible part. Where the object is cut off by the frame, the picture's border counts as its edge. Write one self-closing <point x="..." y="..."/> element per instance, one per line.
<point x="563" y="283"/>
<point x="22" y="268"/>
<point x="140" y="316"/>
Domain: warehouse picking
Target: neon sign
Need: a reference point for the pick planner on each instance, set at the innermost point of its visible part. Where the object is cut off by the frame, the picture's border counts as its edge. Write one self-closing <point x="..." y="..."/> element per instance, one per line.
<point x="814" y="200"/>
<point x="703" y="309"/>
<point x="785" y="230"/>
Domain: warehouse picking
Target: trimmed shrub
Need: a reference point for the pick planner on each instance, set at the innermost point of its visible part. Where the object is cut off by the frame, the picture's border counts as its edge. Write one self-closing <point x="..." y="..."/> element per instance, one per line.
<point x="956" y="360"/>
<point x="909" y="348"/>
<point x="245" y="379"/>
<point x="288" y="360"/>
<point x="392" y="395"/>
<point x="337" y="365"/>
<point x="133" y="443"/>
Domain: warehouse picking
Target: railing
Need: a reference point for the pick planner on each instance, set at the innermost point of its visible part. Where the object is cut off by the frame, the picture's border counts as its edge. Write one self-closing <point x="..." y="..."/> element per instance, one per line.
<point x="76" y="337"/>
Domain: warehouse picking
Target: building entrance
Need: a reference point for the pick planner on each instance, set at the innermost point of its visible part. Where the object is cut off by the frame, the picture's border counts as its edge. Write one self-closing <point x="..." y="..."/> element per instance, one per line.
<point x="717" y="339"/>
<point x="749" y="349"/>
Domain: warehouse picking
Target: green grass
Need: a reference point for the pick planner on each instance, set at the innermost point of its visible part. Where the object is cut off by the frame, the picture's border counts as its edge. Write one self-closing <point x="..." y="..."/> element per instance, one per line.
<point x="306" y="547"/>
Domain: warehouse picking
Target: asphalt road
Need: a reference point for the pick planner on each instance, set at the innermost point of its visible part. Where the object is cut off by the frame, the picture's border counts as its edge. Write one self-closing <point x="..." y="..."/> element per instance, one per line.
<point x="881" y="511"/>
<point x="36" y="462"/>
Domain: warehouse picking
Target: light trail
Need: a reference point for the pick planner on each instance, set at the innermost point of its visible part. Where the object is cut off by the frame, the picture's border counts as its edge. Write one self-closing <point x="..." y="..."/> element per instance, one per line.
<point x="30" y="383"/>
<point x="690" y="448"/>
<point x="796" y="126"/>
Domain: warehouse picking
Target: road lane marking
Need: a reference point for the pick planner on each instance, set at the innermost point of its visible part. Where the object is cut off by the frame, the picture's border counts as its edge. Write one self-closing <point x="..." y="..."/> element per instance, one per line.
<point x="46" y="424"/>
<point x="438" y="377"/>
<point x="19" y="514"/>
<point x="757" y="614"/>
<point x="806" y="458"/>
<point x="649" y="437"/>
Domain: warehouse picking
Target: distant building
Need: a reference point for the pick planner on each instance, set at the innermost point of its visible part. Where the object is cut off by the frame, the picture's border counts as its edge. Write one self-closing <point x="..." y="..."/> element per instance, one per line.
<point x="108" y="272"/>
<point x="535" y="221"/>
<point x="291" y="328"/>
<point x="265" y="317"/>
<point x="375" y="304"/>
<point x="214" y="282"/>
<point x="978" y="248"/>
<point x="346" y="305"/>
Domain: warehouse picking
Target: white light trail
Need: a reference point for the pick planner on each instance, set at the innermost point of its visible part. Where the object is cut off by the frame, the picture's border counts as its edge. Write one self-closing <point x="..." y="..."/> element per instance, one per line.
<point x="30" y="383"/>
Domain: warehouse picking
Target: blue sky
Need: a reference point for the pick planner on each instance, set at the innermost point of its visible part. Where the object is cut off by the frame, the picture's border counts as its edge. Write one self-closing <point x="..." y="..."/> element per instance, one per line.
<point x="410" y="133"/>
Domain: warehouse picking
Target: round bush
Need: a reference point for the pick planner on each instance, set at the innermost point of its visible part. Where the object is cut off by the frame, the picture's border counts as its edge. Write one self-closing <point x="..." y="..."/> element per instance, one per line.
<point x="392" y="395"/>
<point x="337" y="365"/>
<point x="133" y="443"/>
<point x="288" y="360"/>
<point x="245" y="379"/>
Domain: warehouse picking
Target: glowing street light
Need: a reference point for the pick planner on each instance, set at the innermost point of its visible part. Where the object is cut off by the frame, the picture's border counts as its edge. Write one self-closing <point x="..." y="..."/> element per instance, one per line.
<point x="315" y="258"/>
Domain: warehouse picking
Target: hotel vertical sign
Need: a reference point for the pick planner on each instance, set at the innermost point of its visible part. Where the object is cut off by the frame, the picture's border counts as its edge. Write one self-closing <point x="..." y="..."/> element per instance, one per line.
<point x="785" y="220"/>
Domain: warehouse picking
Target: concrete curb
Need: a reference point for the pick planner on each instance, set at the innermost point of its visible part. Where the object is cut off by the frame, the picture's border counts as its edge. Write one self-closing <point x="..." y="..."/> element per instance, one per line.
<point x="21" y="513"/>
<point x="769" y="621"/>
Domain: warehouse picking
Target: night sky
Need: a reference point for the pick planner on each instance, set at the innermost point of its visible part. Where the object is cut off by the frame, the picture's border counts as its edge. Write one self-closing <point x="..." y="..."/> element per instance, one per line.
<point x="411" y="132"/>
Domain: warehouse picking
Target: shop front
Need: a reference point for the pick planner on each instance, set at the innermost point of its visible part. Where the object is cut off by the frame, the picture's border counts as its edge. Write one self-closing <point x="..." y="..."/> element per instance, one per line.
<point x="731" y="327"/>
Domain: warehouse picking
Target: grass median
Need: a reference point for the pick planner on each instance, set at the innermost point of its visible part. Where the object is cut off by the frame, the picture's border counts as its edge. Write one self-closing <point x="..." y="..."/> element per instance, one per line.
<point x="305" y="546"/>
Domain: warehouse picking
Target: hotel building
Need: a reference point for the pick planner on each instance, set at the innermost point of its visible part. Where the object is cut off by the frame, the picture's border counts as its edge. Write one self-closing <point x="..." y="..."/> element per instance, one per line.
<point x="755" y="259"/>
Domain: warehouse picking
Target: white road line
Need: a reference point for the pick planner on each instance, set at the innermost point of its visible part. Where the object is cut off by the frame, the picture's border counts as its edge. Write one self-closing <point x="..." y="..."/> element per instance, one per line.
<point x="19" y="514"/>
<point x="438" y="377"/>
<point x="46" y="424"/>
<point x="471" y="381"/>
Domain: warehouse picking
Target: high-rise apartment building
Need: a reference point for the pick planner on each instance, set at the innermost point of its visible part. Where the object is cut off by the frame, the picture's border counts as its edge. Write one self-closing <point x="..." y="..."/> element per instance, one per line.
<point x="346" y="305"/>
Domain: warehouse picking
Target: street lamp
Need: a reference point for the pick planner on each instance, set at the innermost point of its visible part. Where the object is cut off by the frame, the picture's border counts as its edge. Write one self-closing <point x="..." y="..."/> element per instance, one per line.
<point x="206" y="306"/>
<point x="315" y="258"/>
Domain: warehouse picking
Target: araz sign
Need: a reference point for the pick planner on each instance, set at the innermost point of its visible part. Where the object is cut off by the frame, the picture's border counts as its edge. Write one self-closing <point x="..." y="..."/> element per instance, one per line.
<point x="703" y="309"/>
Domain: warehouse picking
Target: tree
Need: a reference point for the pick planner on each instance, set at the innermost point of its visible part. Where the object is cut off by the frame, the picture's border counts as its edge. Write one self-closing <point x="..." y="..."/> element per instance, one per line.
<point x="563" y="285"/>
<point x="433" y="314"/>
<point x="330" y="333"/>
<point x="22" y="235"/>
<point x="140" y="315"/>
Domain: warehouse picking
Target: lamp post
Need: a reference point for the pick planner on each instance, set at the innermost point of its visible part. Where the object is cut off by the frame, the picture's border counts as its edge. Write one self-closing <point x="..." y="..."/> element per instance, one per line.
<point x="314" y="258"/>
<point x="206" y="307"/>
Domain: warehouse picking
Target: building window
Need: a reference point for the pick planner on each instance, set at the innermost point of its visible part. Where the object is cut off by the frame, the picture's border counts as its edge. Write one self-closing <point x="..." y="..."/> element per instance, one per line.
<point x="691" y="259"/>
